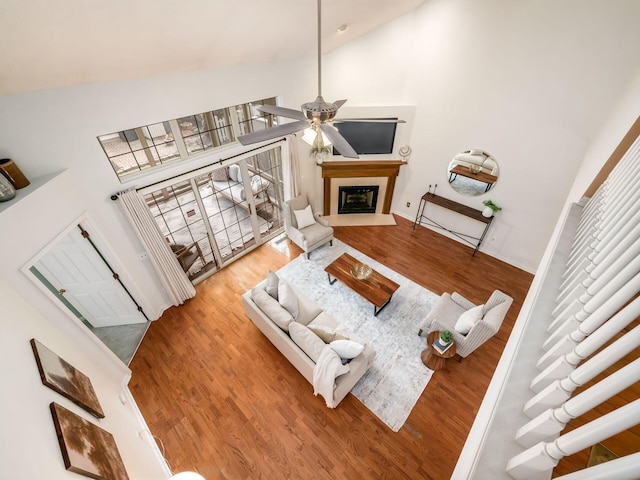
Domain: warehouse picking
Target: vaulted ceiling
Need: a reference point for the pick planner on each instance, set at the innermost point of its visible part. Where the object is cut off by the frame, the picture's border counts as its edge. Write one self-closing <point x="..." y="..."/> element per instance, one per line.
<point x="57" y="43"/>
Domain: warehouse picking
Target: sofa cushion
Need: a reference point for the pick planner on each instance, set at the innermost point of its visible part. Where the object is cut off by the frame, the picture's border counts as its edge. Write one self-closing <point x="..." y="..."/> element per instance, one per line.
<point x="327" y="320"/>
<point x="272" y="284"/>
<point x="288" y="298"/>
<point x="347" y="348"/>
<point x="234" y="173"/>
<point x="304" y="217"/>
<point x="298" y="203"/>
<point x="308" y="341"/>
<point x="220" y="174"/>
<point x="468" y="319"/>
<point x="307" y="310"/>
<point x="271" y="308"/>
<point x="258" y="184"/>
<point x="327" y="334"/>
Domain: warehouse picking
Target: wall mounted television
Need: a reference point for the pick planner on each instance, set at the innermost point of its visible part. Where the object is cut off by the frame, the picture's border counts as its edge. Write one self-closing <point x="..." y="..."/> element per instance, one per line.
<point x="369" y="138"/>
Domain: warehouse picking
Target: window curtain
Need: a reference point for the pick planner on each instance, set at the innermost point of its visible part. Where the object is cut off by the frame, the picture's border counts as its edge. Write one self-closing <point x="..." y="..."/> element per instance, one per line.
<point x="173" y="278"/>
<point x="291" y="170"/>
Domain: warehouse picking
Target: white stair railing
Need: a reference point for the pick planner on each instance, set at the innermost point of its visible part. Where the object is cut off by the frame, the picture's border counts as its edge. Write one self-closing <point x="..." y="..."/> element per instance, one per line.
<point x="545" y="455"/>
<point x="598" y="300"/>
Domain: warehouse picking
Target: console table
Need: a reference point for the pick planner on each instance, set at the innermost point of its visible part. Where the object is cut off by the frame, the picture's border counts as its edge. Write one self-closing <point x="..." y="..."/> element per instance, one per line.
<point x="455" y="207"/>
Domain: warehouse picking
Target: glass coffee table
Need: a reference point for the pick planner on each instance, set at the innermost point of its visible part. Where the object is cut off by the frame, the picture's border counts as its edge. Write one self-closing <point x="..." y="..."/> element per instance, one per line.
<point x="377" y="288"/>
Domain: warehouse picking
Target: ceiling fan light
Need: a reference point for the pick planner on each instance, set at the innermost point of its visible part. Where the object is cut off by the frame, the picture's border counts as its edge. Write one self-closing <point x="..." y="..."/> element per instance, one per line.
<point x="310" y="135"/>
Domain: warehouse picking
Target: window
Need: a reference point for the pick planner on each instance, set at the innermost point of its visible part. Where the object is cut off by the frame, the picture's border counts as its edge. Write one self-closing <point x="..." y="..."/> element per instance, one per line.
<point x="138" y="149"/>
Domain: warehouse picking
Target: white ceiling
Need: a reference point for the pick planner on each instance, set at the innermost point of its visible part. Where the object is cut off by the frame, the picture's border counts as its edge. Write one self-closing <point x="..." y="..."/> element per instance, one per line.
<point x="55" y="43"/>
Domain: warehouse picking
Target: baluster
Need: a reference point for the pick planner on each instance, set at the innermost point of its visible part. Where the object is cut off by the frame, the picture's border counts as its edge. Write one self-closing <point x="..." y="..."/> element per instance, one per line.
<point x="620" y="282"/>
<point x="542" y="457"/>
<point x="553" y="421"/>
<point x="563" y="366"/>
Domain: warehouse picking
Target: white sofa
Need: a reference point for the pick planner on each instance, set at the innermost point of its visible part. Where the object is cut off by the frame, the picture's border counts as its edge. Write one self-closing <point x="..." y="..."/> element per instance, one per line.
<point x="264" y="311"/>
<point x="227" y="181"/>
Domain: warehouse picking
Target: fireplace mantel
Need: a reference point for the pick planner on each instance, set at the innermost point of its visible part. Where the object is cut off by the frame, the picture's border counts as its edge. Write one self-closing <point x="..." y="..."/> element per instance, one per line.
<point x="360" y="169"/>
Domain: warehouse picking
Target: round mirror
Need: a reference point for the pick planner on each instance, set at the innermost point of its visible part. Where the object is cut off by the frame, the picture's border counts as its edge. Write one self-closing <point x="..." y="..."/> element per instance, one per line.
<point x="473" y="172"/>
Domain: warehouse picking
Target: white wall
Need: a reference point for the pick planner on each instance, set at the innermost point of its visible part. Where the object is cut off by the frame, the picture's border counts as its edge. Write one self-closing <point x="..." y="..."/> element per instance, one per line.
<point x="53" y="131"/>
<point x="528" y="81"/>
<point x="28" y="438"/>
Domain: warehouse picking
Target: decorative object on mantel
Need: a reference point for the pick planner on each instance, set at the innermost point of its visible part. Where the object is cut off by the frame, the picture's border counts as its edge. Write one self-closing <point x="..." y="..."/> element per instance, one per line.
<point x="7" y="190"/>
<point x="490" y="208"/>
<point x="361" y="271"/>
<point x="10" y="170"/>
<point x="405" y="153"/>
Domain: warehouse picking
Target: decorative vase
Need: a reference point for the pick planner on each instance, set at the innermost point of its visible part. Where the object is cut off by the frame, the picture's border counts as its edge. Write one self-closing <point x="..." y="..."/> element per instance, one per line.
<point x="13" y="173"/>
<point x="7" y="191"/>
<point x="487" y="212"/>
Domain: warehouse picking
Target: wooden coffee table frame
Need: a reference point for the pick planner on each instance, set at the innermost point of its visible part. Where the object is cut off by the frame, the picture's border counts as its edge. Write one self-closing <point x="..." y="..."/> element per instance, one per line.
<point x="377" y="289"/>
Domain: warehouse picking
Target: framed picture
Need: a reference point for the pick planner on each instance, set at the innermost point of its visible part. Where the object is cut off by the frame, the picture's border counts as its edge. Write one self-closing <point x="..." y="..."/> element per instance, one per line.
<point x="65" y="379"/>
<point x="86" y="448"/>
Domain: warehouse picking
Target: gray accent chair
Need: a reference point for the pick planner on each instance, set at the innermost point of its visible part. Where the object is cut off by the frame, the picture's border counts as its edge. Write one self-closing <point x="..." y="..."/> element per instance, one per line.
<point x="447" y="310"/>
<point x="308" y="238"/>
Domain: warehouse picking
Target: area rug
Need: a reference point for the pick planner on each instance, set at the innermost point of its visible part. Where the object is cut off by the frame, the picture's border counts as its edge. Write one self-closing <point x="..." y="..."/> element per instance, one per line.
<point x="397" y="378"/>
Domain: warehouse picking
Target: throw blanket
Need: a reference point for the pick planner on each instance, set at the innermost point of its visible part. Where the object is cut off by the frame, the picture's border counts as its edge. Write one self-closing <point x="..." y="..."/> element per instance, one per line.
<point x="327" y="369"/>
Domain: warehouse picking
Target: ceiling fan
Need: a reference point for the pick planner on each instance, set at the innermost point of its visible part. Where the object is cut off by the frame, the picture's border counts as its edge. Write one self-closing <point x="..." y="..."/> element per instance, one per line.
<point x="318" y="115"/>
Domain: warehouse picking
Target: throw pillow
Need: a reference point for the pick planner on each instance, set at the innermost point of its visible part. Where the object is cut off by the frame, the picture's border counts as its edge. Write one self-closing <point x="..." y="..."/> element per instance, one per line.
<point x="308" y="341"/>
<point x="468" y="319"/>
<point x="272" y="284"/>
<point x="271" y="308"/>
<point x="220" y="175"/>
<point x="288" y="298"/>
<point x="234" y="173"/>
<point x="347" y="348"/>
<point x="327" y="334"/>
<point x="304" y="218"/>
<point x="307" y="310"/>
<point x="258" y="183"/>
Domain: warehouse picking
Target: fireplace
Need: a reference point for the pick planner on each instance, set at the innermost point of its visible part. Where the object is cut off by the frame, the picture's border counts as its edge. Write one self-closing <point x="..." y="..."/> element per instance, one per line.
<point x="357" y="199"/>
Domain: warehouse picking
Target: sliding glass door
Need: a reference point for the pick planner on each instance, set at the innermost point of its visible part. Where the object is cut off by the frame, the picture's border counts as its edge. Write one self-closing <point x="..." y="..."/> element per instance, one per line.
<point x="216" y="214"/>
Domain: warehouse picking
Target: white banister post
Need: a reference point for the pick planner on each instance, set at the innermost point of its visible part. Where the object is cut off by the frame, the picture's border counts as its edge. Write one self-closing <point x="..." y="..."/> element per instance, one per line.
<point x="608" y="356"/>
<point x="565" y="344"/>
<point x="624" y="286"/>
<point x="552" y="421"/>
<point x="623" y="468"/>
<point x="542" y="457"/>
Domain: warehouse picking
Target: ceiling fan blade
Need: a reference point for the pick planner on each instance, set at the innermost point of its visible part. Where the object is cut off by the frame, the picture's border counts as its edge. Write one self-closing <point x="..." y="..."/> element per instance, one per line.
<point x="339" y="103"/>
<point x="368" y="120"/>
<point x="273" y="132"/>
<point x="282" y="112"/>
<point x="338" y="141"/>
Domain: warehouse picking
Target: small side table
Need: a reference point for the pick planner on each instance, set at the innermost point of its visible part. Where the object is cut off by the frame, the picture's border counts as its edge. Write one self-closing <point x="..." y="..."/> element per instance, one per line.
<point x="432" y="358"/>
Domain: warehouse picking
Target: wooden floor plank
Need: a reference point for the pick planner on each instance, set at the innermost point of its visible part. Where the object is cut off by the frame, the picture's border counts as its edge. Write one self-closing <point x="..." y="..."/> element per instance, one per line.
<point x="227" y="404"/>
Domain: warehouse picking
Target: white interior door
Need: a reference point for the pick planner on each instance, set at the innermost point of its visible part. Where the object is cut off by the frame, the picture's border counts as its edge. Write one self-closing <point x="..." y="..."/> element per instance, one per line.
<point x="78" y="272"/>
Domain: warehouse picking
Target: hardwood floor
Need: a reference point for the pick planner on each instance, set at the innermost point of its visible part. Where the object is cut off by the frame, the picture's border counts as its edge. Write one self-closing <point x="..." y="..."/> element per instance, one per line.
<point x="225" y="403"/>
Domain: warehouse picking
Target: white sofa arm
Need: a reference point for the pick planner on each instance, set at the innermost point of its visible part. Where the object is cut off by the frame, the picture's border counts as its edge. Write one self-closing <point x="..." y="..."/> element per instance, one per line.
<point x="463" y="302"/>
<point x="320" y="220"/>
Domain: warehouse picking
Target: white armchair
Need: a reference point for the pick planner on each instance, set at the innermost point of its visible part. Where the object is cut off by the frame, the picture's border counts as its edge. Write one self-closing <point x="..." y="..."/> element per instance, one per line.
<point x="448" y="309"/>
<point x="315" y="231"/>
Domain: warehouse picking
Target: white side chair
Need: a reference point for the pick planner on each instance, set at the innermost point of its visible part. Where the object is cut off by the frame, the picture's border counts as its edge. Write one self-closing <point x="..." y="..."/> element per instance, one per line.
<point x="448" y="310"/>
<point x="313" y="233"/>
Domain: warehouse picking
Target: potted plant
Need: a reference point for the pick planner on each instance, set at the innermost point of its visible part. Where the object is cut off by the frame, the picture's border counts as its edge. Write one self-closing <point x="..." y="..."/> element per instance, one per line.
<point x="490" y="208"/>
<point x="446" y="337"/>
